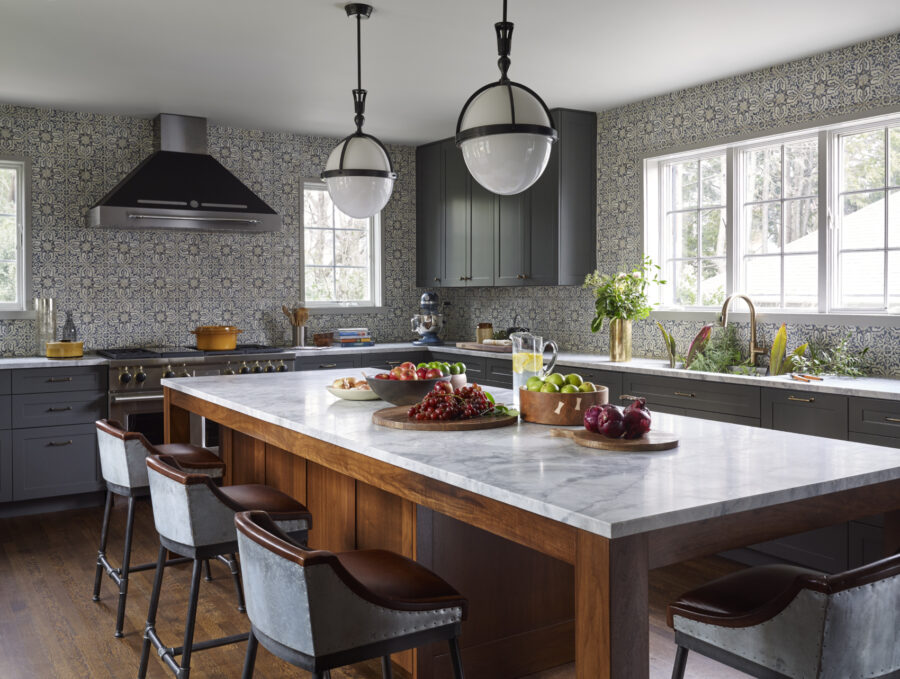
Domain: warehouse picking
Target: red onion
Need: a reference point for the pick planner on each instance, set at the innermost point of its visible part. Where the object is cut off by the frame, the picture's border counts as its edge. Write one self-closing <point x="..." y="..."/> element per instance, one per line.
<point x="611" y="423"/>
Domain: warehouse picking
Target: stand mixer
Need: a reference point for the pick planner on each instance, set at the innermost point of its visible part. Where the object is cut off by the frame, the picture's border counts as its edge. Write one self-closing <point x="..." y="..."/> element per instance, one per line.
<point x="428" y="322"/>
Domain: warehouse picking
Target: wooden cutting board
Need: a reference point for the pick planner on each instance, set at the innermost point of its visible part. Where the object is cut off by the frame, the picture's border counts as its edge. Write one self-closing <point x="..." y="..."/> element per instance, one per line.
<point x="652" y="440"/>
<point x="396" y="418"/>
<point x="495" y="348"/>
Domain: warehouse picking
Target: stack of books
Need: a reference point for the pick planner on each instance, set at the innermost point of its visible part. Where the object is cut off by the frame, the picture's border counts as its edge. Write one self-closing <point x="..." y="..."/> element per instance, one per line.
<point x="353" y="337"/>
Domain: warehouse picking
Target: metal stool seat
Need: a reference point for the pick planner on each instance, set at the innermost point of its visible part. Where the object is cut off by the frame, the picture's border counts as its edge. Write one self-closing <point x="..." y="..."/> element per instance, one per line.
<point x="195" y="519"/>
<point x="122" y="455"/>
<point x="319" y="610"/>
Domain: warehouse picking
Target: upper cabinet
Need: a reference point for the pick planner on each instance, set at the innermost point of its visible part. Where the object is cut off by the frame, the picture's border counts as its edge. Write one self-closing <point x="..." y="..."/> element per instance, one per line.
<point x="467" y="236"/>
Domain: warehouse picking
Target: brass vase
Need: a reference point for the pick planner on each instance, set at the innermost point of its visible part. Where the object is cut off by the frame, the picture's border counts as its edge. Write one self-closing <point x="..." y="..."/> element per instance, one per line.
<point x="619" y="340"/>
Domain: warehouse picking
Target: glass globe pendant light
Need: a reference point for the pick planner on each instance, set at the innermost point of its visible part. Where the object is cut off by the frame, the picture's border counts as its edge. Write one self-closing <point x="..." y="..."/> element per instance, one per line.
<point x="505" y="130"/>
<point x="359" y="173"/>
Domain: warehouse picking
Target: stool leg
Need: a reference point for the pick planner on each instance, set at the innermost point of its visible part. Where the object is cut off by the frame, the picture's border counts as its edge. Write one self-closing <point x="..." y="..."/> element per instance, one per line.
<point x="126" y="563"/>
<point x="455" y="659"/>
<point x="250" y="658"/>
<point x="387" y="672"/>
<point x="680" y="662"/>
<point x="101" y="551"/>
<point x="208" y="576"/>
<point x="189" y="623"/>
<point x="236" y="574"/>
<point x="151" y="611"/>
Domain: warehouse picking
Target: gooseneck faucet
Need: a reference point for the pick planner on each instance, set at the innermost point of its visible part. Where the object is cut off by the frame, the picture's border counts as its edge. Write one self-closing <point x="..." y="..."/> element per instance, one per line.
<point x="755" y="350"/>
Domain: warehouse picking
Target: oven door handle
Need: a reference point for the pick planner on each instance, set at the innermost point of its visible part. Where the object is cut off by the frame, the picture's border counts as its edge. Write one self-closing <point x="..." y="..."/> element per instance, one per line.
<point x="135" y="397"/>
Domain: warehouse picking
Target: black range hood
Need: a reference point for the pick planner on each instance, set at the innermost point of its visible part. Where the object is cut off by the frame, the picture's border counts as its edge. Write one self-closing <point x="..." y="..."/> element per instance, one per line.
<point x="181" y="186"/>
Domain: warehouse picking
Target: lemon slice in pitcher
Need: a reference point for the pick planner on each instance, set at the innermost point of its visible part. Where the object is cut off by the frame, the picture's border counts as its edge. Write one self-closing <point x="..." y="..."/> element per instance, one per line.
<point x="527" y="362"/>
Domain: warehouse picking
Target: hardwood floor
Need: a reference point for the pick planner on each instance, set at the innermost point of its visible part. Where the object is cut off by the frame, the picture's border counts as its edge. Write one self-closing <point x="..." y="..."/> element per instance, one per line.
<point x="49" y="627"/>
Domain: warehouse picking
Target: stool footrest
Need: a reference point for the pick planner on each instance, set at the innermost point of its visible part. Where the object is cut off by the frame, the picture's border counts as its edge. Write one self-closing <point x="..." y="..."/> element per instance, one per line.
<point x="167" y="653"/>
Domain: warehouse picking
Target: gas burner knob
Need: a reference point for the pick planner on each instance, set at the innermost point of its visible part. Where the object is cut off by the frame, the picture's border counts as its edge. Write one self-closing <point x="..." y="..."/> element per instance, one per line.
<point x="257" y="368"/>
<point x="282" y="368"/>
<point x="140" y="376"/>
<point x="184" y="371"/>
<point x="244" y="369"/>
<point x="124" y="375"/>
<point x="168" y="372"/>
<point x="269" y="367"/>
<point x="228" y="370"/>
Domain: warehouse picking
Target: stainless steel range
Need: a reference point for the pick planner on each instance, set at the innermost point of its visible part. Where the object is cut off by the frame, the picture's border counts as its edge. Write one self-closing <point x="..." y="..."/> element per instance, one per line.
<point x="136" y="396"/>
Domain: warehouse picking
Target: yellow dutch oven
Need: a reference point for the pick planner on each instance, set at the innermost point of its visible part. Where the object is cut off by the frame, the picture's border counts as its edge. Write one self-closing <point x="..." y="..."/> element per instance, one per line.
<point x="216" y="337"/>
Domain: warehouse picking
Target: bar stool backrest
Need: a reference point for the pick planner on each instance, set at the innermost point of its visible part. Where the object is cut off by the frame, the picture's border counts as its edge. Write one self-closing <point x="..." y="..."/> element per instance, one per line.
<point x="122" y="455"/>
<point x="188" y="508"/>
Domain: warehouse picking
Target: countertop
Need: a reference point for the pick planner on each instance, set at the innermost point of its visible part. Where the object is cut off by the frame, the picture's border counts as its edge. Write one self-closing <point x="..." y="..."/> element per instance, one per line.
<point x="42" y="362"/>
<point x="717" y="469"/>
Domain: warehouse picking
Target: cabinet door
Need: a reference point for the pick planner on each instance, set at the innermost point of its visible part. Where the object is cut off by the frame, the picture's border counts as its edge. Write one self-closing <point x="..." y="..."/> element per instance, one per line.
<point x="696" y="395"/>
<point x="6" y="467"/>
<point x="875" y="416"/>
<point x="498" y="373"/>
<point x="327" y="362"/>
<point x="544" y="234"/>
<point x="53" y="380"/>
<point x="49" y="410"/>
<point x="457" y="217"/>
<point x="577" y="181"/>
<point x="805" y="412"/>
<point x="429" y="216"/>
<point x="608" y="378"/>
<point x="512" y="242"/>
<point x="481" y="235"/>
<point x="51" y="461"/>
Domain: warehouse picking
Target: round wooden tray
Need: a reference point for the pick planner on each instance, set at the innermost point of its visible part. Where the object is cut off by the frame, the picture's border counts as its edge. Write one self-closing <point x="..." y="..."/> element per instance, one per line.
<point x="397" y="418"/>
<point x="652" y="440"/>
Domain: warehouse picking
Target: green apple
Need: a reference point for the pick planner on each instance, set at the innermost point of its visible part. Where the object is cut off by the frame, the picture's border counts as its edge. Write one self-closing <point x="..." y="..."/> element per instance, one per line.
<point x="569" y="389"/>
<point x="458" y="368"/>
<point x="534" y="383"/>
<point x="556" y="379"/>
<point x="587" y="386"/>
<point x="422" y="365"/>
<point x="549" y="388"/>
<point x="574" y="379"/>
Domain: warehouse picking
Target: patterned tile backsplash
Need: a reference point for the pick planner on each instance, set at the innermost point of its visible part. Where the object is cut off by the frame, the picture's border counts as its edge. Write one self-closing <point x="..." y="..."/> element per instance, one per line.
<point x="131" y="288"/>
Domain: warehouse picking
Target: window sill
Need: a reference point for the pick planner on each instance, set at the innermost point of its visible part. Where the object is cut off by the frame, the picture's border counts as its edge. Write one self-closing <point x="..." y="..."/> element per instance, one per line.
<point x="10" y="315"/>
<point x="347" y="310"/>
<point x="789" y="317"/>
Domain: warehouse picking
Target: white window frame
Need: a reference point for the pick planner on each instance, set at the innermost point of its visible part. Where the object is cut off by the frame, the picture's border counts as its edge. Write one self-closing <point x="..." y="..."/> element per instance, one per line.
<point x="376" y="255"/>
<point x="653" y="205"/>
<point x="19" y="308"/>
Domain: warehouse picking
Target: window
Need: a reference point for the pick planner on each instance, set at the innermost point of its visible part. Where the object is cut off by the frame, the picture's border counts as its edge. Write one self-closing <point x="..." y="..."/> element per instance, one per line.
<point x="802" y="222"/>
<point x="341" y="255"/>
<point x="13" y="202"/>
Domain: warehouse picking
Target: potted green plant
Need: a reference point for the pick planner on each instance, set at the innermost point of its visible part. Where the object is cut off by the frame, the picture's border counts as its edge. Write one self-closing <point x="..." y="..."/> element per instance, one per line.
<point x="622" y="298"/>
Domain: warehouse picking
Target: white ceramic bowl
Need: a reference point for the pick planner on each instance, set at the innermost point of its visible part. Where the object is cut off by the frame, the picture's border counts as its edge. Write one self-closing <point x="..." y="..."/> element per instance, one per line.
<point x="354" y="394"/>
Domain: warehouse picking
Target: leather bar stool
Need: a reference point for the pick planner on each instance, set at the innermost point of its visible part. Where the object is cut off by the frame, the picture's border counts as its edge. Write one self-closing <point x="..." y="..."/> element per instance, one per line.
<point x="123" y="466"/>
<point x="776" y="622"/>
<point x="319" y="610"/>
<point x="195" y="519"/>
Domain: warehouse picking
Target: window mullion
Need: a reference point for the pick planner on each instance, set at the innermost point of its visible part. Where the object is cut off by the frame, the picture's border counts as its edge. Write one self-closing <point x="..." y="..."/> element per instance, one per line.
<point x="826" y="242"/>
<point x="887" y="181"/>
<point x="732" y="194"/>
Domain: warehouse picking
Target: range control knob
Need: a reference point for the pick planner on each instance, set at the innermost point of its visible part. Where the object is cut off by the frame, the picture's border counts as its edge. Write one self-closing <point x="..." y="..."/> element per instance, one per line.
<point x="244" y="369"/>
<point x="282" y="368"/>
<point x="124" y="375"/>
<point x="184" y="371"/>
<point x="168" y="372"/>
<point x="269" y="367"/>
<point x="228" y="369"/>
<point x="140" y="377"/>
<point x="257" y="368"/>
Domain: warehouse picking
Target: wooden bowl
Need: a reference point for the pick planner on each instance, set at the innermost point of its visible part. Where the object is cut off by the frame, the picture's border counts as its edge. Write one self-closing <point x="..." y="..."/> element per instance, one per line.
<point x="563" y="410"/>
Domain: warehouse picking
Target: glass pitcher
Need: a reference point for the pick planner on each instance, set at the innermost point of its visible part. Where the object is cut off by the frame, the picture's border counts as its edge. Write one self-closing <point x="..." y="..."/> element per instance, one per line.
<point x="528" y="359"/>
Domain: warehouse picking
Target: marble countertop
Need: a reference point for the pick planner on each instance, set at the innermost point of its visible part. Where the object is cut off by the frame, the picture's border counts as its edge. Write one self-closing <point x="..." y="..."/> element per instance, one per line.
<point x="718" y="468"/>
<point x="42" y="362"/>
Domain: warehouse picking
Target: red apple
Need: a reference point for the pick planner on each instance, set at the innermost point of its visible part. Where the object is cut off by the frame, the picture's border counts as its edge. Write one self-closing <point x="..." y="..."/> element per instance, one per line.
<point x="383" y="376"/>
<point x="408" y="365"/>
<point x="408" y="375"/>
<point x="432" y="373"/>
<point x="422" y="373"/>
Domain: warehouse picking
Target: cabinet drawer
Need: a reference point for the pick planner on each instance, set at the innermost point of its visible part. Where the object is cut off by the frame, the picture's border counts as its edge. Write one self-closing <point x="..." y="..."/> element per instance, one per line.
<point x="731" y="399"/>
<point x="5" y="412"/>
<point x="5" y="466"/>
<point x="327" y="362"/>
<point x="5" y="381"/>
<point x="48" y="410"/>
<point x="805" y="412"/>
<point x="51" y="380"/>
<point x="708" y="415"/>
<point x="55" y="461"/>
<point x="498" y="372"/>
<point x="388" y="360"/>
<point x="875" y="416"/>
<point x="874" y="439"/>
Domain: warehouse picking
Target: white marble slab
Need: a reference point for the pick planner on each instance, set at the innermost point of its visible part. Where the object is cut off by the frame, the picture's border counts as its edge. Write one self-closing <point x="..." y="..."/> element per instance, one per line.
<point x="42" y="362"/>
<point x="717" y="469"/>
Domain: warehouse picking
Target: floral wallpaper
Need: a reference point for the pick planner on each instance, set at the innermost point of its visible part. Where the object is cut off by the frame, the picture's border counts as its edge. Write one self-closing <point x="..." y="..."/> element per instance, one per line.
<point x="132" y="288"/>
<point x="852" y="80"/>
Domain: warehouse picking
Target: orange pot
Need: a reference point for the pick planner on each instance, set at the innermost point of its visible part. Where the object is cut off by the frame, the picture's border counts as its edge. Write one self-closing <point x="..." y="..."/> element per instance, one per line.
<point x="216" y="337"/>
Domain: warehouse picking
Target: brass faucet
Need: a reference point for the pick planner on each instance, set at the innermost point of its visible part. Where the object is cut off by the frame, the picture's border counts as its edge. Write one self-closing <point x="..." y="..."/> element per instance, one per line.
<point x="755" y="350"/>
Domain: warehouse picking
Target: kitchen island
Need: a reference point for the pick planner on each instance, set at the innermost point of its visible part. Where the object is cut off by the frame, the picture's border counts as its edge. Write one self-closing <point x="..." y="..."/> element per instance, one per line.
<point x="613" y="516"/>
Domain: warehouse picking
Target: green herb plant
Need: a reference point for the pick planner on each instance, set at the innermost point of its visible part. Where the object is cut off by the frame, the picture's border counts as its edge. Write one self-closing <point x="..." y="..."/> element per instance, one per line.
<point x="778" y="363"/>
<point x="624" y="295"/>
<point x="837" y="359"/>
<point x="669" y="341"/>
<point x="721" y="351"/>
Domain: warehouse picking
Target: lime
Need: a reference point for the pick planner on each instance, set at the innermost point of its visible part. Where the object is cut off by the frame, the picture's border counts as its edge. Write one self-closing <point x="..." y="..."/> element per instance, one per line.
<point x="445" y="368"/>
<point x="422" y="365"/>
<point x="574" y="379"/>
<point x="556" y="379"/>
<point x="569" y="389"/>
<point x="458" y="369"/>
<point x="527" y="362"/>
<point x="549" y="388"/>
<point x="534" y="383"/>
<point x="587" y="386"/>
<point x="433" y="365"/>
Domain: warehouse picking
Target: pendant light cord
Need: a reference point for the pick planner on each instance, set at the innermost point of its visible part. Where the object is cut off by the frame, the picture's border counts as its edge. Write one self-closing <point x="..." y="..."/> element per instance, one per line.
<point x="504" y="44"/>
<point x="359" y="94"/>
<point x="359" y="50"/>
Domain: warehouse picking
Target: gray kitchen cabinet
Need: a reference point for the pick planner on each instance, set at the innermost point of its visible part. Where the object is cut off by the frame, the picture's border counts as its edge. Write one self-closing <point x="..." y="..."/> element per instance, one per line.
<point x="512" y="240"/>
<point x="5" y="412"/>
<point x="865" y="543"/>
<point x="57" y="380"/>
<point x="498" y="372"/>
<point x="875" y="417"/>
<point x="429" y="216"/>
<point x="824" y="549"/>
<point x="385" y="360"/>
<point x="6" y="467"/>
<point x="52" y="461"/>
<point x="327" y="362"/>
<point x="681" y="396"/>
<point x="805" y="412"/>
<point x="610" y="379"/>
<point x="50" y="410"/>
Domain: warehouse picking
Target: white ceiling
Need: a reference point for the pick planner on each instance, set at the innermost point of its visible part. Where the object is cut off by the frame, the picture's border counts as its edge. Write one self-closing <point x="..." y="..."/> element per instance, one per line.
<point x="290" y="64"/>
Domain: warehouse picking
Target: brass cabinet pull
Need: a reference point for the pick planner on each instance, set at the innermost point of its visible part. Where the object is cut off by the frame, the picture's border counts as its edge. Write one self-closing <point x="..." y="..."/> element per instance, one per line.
<point x="629" y="397"/>
<point x="328" y="365"/>
<point x="59" y="410"/>
<point x="393" y="362"/>
<point x="892" y="419"/>
<point x="60" y="443"/>
<point x="685" y="393"/>
<point x="60" y="379"/>
<point x="811" y="399"/>
<point x="437" y="280"/>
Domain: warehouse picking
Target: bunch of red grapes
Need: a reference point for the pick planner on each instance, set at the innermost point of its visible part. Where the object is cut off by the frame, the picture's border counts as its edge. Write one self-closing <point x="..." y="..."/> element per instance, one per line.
<point x="443" y="403"/>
